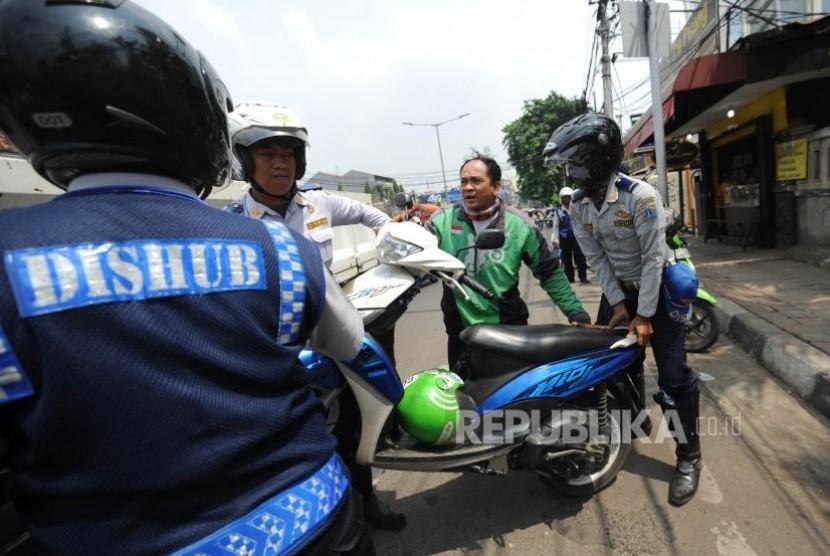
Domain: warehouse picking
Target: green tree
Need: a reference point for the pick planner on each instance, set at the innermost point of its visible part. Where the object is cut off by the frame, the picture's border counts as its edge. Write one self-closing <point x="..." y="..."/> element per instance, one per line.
<point x="339" y="186"/>
<point x="396" y="187"/>
<point x="526" y="136"/>
<point x="380" y="191"/>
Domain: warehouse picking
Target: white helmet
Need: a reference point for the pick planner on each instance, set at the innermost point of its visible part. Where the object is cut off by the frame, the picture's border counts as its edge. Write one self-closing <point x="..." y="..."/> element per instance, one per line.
<point x="251" y="122"/>
<point x="566" y="192"/>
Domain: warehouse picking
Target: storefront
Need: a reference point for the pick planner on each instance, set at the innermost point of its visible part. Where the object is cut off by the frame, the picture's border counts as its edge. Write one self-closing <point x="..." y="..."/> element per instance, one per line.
<point x="763" y="127"/>
<point x="738" y="162"/>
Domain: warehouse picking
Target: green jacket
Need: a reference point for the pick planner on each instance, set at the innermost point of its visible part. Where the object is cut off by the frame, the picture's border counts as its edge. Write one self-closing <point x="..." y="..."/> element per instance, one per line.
<point x="498" y="269"/>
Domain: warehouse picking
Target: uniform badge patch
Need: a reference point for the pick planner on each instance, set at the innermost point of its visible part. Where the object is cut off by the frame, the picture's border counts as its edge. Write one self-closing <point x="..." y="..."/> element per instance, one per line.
<point x="456" y="228"/>
<point x="588" y="227"/>
<point x="310" y="209"/>
<point x="317" y="223"/>
<point x="256" y="212"/>
<point x="645" y="202"/>
<point x="628" y="222"/>
<point x="623" y="214"/>
<point x="647" y="206"/>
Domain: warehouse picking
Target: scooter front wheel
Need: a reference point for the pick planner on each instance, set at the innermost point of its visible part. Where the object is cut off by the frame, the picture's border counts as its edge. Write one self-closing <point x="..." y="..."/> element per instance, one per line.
<point x="702" y="330"/>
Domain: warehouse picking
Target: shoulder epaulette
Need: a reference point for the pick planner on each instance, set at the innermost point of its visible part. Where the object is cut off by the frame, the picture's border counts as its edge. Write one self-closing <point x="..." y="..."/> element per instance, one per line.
<point x="234" y="207"/>
<point x="309" y="187"/>
<point x="578" y="194"/>
<point x="626" y="184"/>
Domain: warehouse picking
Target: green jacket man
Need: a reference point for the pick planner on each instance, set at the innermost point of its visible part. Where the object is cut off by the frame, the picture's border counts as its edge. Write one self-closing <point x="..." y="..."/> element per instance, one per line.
<point x="498" y="269"/>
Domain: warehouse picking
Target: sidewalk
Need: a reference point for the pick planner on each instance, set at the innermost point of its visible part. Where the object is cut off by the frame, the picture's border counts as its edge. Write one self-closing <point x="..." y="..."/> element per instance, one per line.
<point x="775" y="308"/>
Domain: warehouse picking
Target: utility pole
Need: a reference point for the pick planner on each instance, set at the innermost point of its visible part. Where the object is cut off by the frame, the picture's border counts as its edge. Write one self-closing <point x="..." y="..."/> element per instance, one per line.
<point x="607" y="100"/>
<point x="656" y="100"/>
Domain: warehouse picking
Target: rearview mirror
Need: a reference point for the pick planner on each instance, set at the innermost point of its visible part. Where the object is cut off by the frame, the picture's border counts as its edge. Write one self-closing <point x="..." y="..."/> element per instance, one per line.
<point x="490" y="239"/>
<point x="402" y="200"/>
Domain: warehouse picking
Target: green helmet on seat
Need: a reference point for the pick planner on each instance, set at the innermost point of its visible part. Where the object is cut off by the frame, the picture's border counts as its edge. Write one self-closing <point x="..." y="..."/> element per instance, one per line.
<point x="429" y="409"/>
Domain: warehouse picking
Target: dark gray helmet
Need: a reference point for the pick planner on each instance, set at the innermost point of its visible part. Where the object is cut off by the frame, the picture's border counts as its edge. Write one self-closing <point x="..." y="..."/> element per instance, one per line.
<point x="589" y="145"/>
<point x="104" y="85"/>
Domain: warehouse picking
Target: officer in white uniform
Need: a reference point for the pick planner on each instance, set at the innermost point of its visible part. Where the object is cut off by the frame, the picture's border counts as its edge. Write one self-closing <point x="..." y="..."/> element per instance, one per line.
<point x="620" y="225"/>
<point x="269" y="143"/>
<point x="265" y="138"/>
<point x="626" y="236"/>
<point x="562" y="237"/>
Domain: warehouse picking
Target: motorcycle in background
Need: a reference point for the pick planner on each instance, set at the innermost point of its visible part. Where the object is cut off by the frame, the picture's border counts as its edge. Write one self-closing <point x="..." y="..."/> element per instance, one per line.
<point x="702" y="329"/>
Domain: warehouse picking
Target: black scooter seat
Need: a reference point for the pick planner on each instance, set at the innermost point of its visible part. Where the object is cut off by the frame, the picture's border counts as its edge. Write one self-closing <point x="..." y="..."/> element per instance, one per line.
<point x="537" y="343"/>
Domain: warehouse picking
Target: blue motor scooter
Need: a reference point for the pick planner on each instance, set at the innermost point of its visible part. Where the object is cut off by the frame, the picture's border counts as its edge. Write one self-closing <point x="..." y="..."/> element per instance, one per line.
<point x="555" y="399"/>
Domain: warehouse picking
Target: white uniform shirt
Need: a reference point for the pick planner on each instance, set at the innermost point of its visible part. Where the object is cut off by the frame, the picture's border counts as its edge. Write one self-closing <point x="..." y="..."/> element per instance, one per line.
<point x="624" y="239"/>
<point x="314" y="213"/>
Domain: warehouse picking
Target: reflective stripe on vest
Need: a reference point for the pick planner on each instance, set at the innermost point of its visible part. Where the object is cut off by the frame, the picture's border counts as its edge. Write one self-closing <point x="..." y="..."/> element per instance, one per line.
<point x="14" y="384"/>
<point x="282" y="524"/>
<point x="292" y="282"/>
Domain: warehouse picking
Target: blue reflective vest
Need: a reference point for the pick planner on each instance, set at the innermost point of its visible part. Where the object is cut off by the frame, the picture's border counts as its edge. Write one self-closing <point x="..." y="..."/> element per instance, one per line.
<point x="565" y="228"/>
<point x="151" y="392"/>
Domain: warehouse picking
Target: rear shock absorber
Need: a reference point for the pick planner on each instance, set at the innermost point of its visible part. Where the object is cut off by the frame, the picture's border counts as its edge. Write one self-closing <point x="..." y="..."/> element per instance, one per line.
<point x="601" y="397"/>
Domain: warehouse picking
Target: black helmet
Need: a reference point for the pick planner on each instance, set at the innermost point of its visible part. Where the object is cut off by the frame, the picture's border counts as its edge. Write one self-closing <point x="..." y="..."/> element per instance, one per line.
<point x="104" y="85"/>
<point x="591" y="147"/>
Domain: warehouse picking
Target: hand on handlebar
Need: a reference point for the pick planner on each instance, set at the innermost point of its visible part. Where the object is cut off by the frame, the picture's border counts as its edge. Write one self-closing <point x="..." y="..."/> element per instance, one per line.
<point x="641" y="326"/>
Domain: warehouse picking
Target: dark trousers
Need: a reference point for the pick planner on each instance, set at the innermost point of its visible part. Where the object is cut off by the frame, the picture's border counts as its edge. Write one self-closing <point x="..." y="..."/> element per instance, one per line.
<point x="347" y="433"/>
<point x="674" y="375"/>
<point x="347" y="535"/>
<point x="571" y="253"/>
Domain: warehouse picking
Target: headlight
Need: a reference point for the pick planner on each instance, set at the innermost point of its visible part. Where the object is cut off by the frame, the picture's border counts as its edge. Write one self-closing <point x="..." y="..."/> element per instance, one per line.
<point x="392" y="249"/>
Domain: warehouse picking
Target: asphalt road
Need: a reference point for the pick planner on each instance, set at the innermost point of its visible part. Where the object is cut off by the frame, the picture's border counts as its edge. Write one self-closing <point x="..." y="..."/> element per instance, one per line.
<point x="765" y="487"/>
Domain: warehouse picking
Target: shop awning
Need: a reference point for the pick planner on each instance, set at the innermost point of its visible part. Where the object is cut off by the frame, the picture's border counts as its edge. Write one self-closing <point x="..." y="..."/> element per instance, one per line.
<point x="699" y="84"/>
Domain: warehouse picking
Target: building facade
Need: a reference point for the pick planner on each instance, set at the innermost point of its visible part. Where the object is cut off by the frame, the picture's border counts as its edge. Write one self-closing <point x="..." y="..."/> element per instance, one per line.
<point x="748" y="86"/>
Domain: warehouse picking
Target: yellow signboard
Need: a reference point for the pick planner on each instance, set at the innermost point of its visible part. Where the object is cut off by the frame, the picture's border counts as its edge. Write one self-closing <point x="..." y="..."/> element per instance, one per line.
<point x="791" y="160"/>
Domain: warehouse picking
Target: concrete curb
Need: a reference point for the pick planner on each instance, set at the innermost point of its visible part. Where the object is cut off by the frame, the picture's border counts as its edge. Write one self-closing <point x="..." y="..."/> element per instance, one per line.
<point x="801" y="366"/>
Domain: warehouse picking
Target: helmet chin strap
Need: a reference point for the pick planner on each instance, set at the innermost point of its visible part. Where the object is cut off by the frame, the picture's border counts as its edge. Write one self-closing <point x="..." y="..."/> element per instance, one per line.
<point x="287" y="197"/>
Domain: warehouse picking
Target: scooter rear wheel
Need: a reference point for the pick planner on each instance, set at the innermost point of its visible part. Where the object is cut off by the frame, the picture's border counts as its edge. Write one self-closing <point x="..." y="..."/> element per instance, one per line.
<point x="585" y="485"/>
<point x="702" y="330"/>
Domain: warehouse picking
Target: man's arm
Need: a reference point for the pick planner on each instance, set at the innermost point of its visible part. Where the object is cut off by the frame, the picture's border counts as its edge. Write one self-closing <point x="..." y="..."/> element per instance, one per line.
<point x="554" y="234"/>
<point x="339" y="331"/>
<point x="349" y="211"/>
<point x="648" y="217"/>
<point x="432" y="225"/>
<point x="596" y="257"/>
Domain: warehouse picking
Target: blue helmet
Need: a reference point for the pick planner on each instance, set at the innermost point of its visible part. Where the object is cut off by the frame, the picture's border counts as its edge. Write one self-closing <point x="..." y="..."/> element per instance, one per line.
<point x="679" y="291"/>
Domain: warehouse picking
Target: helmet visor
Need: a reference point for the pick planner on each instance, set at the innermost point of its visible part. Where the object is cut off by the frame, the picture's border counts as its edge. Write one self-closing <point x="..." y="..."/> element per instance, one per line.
<point x="248" y="136"/>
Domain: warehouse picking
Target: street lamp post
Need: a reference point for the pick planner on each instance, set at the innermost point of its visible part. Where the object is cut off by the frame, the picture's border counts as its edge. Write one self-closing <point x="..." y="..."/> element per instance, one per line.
<point x="440" y="152"/>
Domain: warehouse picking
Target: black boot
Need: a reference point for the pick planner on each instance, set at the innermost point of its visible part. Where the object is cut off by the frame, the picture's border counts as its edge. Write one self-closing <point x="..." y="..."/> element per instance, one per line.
<point x="686" y="476"/>
<point x="381" y="516"/>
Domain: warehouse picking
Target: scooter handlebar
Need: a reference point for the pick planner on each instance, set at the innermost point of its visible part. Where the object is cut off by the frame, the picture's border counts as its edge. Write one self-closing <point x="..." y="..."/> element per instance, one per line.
<point x="476" y="287"/>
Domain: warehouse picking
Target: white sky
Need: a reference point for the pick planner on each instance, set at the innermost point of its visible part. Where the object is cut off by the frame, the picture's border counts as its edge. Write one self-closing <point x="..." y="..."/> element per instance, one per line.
<point x="353" y="70"/>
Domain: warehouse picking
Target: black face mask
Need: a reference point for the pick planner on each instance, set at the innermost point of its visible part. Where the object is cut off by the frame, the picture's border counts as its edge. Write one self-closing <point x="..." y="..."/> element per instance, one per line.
<point x="583" y="179"/>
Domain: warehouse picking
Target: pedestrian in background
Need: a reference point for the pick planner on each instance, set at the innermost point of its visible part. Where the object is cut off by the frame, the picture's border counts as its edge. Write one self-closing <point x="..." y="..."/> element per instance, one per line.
<point x="562" y="237"/>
